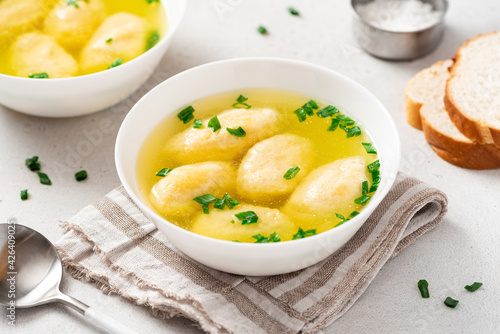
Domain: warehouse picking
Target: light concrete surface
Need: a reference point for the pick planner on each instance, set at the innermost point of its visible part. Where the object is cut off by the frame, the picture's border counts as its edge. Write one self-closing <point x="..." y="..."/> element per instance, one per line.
<point x="463" y="249"/>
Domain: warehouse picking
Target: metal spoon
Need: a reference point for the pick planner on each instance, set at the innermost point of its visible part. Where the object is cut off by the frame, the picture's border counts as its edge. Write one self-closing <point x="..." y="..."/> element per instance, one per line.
<point x="30" y="274"/>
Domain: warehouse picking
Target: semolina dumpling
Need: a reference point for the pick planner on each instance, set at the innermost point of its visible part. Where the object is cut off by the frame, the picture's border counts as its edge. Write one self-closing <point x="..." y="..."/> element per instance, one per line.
<point x="218" y="224"/>
<point x="328" y="190"/>
<point x="72" y="26"/>
<point x="18" y="16"/>
<point x="173" y="195"/>
<point x="260" y="174"/>
<point x="196" y="145"/>
<point x="120" y="36"/>
<point x="34" y="52"/>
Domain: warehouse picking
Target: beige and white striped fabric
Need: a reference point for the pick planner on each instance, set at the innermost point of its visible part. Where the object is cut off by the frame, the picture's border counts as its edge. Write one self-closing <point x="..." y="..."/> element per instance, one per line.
<point x="112" y="244"/>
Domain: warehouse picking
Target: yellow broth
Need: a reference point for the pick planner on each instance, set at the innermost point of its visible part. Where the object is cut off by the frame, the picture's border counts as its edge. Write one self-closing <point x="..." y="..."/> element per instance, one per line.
<point x="328" y="147"/>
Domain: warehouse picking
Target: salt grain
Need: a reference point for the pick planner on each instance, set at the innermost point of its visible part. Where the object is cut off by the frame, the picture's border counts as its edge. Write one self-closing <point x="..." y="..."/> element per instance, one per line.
<point x="398" y="15"/>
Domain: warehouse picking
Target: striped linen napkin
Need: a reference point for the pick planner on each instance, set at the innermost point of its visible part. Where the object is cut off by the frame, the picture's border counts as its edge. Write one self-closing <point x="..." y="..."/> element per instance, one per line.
<point x="112" y="244"/>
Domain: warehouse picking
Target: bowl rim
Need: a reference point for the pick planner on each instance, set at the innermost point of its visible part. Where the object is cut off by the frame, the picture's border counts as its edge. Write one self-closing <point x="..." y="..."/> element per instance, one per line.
<point x="389" y="178"/>
<point x="170" y="32"/>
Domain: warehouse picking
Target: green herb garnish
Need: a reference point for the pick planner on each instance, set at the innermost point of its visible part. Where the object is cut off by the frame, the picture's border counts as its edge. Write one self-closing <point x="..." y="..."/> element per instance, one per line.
<point x="219" y="204"/>
<point x="42" y="75"/>
<point x="236" y="240"/>
<point x="153" y="39"/>
<point x="423" y="287"/>
<point x="238" y="132"/>
<point x="205" y="199"/>
<point x="346" y="120"/>
<point x="301" y="114"/>
<point x="293" y="11"/>
<point x="473" y="287"/>
<point x="362" y="200"/>
<point x="164" y="172"/>
<point x="334" y="125"/>
<point x="327" y="112"/>
<point x="369" y="148"/>
<point x="214" y="123"/>
<point x="109" y="40"/>
<point x="353" y="214"/>
<point x="230" y="202"/>
<point x="247" y="217"/>
<point x="262" y="30"/>
<point x="186" y="114"/>
<point x="274" y="237"/>
<point x="44" y="179"/>
<point x="313" y="104"/>
<point x="303" y="234"/>
<point x="342" y="219"/>
<point x="32" y="163"/>
<point x="24" y="194"/>
<point x="450" y="302"/>
<point x="197" y="123"/>
<point x="241" y="103"/>
<point x="151" y="1"/>
<point x="81" y="175"/>
<point x="351" y="132"/>
<point x="205" y="209"/>
<point x="117" y="62"/>
<point x="73" y="3"/>
<point x="373" y="166"/>
<point x="364" y="187"/>
<point x="291" y="173"/>
<point x="308" y="109"/>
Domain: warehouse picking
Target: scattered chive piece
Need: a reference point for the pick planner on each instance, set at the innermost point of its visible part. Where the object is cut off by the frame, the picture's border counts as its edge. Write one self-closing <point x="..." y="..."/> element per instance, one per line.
<point x="339" y="216"/>
<point x="230" y="203"/>
<point x="81" y="175"/>
<point x="275" y="237"/>
<point x="450" y="302"/>
<point x="117" y="62"/>
<point x="308" y="109"/>
<point x="247" y="217"/>
<point x="164" y="172"/>
<point x="260" y="239"/>
<point x="351" y="132"/>
<point x="32" y="163"/>
<point x="423" y="287"/>
<point x="241" y="103"/>
<point x="186" y="114"/>
<point x="197" y="123"/>
<point x="72" y="3"/>
<point x="346" y="120"/>
<point x="473" y="287"/>
<point x="153" y="39"/>
<point x="342" y="219"/>
<point x="205" y="209"/>
<point x="301" y="114"/>
<point x="238" y="132"/>
<point x="334" y="125"/>
<point x="262" y="30"/>
<point x="353" y="214"/>
<point x="232" y="221"/>
<point x="293" y="11"/>
<point x="219" y="204"/>
<point x="214" y="123"/>
<point x="151" y="1"/>
<point x="369" y="148"/>
<point x="373" y="166"/>
<point x="362" y="200"/>
<point x="291" y="173"/>
<point x="374" y="187"/>
<point x="327" y="112"/>
<point x="241" y="99"/>
<point x="236" y="240"/>
<point x="205" y="199"/>
<point x="44" y="179"/>
<point x="42" y="75"/>
<point x="313" y="104"/>
<point x="24" y="194"/>
<point x="303" y="234"/>
<point x="364" y="187"/>
<point x="109" y="40"/>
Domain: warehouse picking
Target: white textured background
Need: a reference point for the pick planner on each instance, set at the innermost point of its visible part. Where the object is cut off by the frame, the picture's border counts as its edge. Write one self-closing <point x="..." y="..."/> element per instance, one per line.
<point x="463" y="249"/>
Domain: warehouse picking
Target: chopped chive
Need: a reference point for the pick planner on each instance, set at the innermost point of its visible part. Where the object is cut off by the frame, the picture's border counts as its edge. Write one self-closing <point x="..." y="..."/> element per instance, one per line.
<point x="214" y="123"/>
<point x="373" y="166"/>
<point x="293" y="11"/>
<point x="308" y="109"/>
<point x="364" y="187"/>
<point x="186" y="114"/>
<point x="109" y="40"/>
<point x="342" y="219"/>
<point x="241" y="103"/>
<point x="303" y="234"/>
<point x="230" y="203"/>
<point x="334" y="125"/>
<point x="117" y="62"/>
<point x="369" y="148"/>
<point x="262" y="30"/>
<point x="450" y="302"/>
<point x="373" y="187"/>
<point x="42" y="75"/>
<point x="205" y="208"/>
<point x="291" y="173"/>
<point x="197" y="123"/>
<point x="339" y="216"/>
<point x="24" y="194"/>
<point x="238" y="132"/>
<point x="241" y="99"/>
<point x="32" y="163"/>
<point x="313" y="104"/>
<point x="301" y="114"/>
<point x="353" y="214"/>
<point x="81" y="175"/>
<point x="44" y="179"/>
<point x="247" y="217"/>
<point x="219" y="204"/>
<point x="72" y="3"/>
<point x="327" y="111"/>
<point x="153" y="39"/>
<point x="473" y="287"/>
<point x="151" y="1"/>
<point x="423" y="287"/>
<point x="351" y="132"/>
<point x="205" y="199"/>
<point x="236" y="240"/>
<point x="164" y="172"/>
<point x="346" y="120"/>
<point x="362" y="200"/>
<point x="259" y="238"/>
<point x="232" y="221"/>
<point x="275" y="237"/>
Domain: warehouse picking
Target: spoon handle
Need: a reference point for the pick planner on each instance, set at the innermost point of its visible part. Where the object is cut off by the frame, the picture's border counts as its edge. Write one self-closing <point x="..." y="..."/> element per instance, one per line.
<point x="106" y="323"/>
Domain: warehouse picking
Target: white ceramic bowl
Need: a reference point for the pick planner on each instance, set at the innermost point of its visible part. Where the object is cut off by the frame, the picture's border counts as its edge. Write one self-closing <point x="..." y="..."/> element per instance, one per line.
<point x="67" y="97"/>
<point x="315" y="81"/>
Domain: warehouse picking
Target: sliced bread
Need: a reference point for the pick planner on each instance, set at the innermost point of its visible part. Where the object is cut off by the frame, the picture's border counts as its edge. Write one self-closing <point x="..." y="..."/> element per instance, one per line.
<point x="427" y="89"/>
<point x="472" y="96"/>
